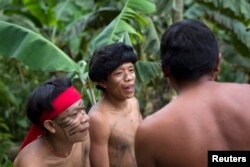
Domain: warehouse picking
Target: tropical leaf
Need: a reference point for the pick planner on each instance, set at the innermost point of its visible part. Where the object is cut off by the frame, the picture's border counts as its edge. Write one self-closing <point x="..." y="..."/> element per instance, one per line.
<point x="6" y="95"/>
<point x="122" y="23"/>
<point x="236" y="26"/>
<point x="196" y="11"/>
<point x="42" y="10"/>
<point x="235" y="9"/>
<point x="231" y="55"/>
<point x="75" y="32"/>
<point x="147" y="71"/>
<point x="233" y="19"/>
<point x="152" y="44"/>
<point x="32" y="49"/>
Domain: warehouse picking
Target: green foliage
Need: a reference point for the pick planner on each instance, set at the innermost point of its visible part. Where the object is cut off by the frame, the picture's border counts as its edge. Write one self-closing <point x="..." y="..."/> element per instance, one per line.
<point x="32" y="49"/>
<point x="6" y="143"/>
<point x="122" y="23"/>
<point x="16" y="84"/>
<point x="230" y="73"/>
<point x="58" y="37"/>
<point x="146" y="71"/>
<point x="41" y="10"/>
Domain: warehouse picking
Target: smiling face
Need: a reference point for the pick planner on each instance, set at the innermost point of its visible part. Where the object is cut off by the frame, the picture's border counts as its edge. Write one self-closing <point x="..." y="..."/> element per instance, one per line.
<point x="73" y="123"/>
<point x="120" y="83"/>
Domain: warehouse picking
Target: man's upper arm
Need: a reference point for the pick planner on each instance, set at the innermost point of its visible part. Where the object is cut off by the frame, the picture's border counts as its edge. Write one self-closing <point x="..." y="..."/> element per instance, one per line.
<point x="99" y="135"/>
<point x="143" y="152"/>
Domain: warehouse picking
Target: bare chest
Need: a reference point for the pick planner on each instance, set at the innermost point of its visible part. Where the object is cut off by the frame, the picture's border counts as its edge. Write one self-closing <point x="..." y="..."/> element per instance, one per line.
<point x="123" y="129"/>
<point x="78" y="158"/>
<point x="121" y="141"/>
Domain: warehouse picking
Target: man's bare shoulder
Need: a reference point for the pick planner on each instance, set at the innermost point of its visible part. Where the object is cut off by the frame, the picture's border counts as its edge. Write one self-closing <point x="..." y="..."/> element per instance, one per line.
<point x="161" y="124"/>
<point x="97" y="115"/>
<point x="228" y="87"/>
<point x="242" y="88"/>
<point x="99" y="125"/>
<point x="98" y="112"/>
<point x="26" y="159"/>
<point x="156" y="120"/>
<point x="149" y="134"/>
<point x="134" y="101"/>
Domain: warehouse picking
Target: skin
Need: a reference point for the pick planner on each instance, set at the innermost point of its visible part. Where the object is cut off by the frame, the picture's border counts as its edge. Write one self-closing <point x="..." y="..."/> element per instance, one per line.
<point x="114" y="120"/>
<point x="67" y="135"/>
<point x="206" y="115"/>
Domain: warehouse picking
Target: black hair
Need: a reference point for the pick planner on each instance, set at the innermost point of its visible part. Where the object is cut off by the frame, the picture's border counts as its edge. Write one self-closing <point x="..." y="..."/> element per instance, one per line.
<point x="188" y="50"/>
<point x="41" y="98"/>
<point x="105" y="60"/>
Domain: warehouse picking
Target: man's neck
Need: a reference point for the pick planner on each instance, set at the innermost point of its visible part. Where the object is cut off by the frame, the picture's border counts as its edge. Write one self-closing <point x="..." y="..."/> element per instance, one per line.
<point x="58" y="148"/>
<point x="183" y="87"/>
<point x="119" y="105"/>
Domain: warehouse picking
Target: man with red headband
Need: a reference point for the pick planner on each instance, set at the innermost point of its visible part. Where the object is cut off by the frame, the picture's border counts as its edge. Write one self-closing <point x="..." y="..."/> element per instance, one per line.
<point x="59" y="135"/>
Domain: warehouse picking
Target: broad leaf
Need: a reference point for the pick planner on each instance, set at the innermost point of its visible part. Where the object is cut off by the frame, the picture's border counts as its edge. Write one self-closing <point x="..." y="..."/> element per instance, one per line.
<point x="234" y="8"/>
<point x="42" y="10"/>
<point x="122" y="23"/>
<point x="32" y="49"/>
<point x="147" y="71"/>
<point x="237" y="27"/>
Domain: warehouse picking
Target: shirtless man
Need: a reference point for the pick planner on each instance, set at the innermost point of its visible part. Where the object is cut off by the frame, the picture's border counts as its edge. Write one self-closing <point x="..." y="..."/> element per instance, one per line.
<point x="115" y="118"/>
<point x="206" y="115"/>
<point x="59" y="136"/>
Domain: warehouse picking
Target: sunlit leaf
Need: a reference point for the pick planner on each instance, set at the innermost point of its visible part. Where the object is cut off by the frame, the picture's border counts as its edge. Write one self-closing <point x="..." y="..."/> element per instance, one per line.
<point x="131" y="11"/>
<point x="32" y="49"/>
<point x="147" y="71"/>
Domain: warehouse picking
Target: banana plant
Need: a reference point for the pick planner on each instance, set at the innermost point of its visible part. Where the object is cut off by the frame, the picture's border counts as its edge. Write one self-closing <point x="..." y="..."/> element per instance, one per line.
<point x="33" y="50"/>
<point x="121" y="23"/>
<point x="229" y="20"/>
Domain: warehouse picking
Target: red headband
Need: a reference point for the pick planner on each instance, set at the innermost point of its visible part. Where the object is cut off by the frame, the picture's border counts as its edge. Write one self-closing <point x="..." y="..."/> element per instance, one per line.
<point x="60" y="104"/>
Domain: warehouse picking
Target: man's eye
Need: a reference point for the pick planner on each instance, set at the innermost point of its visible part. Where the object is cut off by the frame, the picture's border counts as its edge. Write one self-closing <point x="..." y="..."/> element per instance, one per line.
<point x="131" y="70"/>
<point x="74" y="115"/>
<point x="82" y="108"/>
<point x="118" y="73"/>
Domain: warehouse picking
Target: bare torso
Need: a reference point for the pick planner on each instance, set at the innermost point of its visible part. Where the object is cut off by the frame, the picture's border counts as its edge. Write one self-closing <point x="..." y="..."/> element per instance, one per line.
<point x="211" y="116"/>
<point x="120" y="131"/>
<point x="121" y="141"/>
<point x="38" y="154"/>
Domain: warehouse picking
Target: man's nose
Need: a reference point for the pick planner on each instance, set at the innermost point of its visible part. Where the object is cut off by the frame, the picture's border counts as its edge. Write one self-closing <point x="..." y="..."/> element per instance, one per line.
<point x="128" y="76"/>
<point x="84" y="118"/>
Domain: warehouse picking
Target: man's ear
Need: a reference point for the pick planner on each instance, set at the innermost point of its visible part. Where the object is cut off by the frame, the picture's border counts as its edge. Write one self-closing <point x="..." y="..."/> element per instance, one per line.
<point x="102" y="84"/>
<point x="50" y="126"/>
<point x="165" y="72"/>
<point x="217" y="65"/>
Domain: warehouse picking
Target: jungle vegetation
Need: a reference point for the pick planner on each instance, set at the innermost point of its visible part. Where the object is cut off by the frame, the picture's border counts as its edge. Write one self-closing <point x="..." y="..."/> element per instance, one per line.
<point x="43" y="39"/>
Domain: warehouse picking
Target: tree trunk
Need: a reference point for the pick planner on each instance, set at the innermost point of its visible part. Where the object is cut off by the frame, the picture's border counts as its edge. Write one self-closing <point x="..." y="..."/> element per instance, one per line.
<point x="177" y="12"/>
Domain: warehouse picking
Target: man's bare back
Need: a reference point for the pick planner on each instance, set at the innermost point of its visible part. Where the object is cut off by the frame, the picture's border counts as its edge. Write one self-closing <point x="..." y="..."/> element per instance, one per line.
<point x="119" y="129"/>
<point x="211" y="116"/>
<point x="206" y="115"/>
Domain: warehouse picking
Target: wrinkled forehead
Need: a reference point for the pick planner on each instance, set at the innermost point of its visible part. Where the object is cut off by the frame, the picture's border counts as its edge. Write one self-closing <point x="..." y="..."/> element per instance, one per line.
<point x="69" y="110"/>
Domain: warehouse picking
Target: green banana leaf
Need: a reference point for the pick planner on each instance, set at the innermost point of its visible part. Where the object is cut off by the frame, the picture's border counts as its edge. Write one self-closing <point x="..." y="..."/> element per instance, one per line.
<point x="122" y="23"/>
<point x="42" y="10"/>
<point x="147" y="71"/>
<point x="32" y="49"/>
